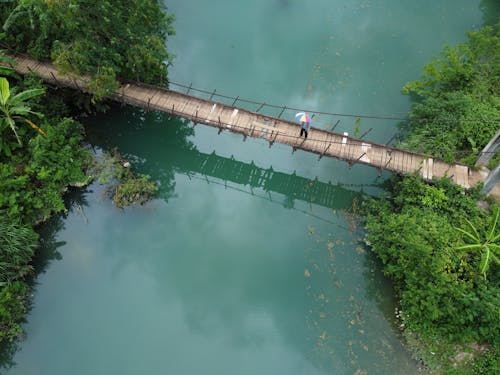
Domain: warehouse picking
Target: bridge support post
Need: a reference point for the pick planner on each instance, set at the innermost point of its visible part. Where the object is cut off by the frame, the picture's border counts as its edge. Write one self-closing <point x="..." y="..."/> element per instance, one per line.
<point x="390" y="159"/>
<point x="272" y="142"/>
<point x="55" y="79"/>
<point x="220" y="126"/>
<point x="392" y="138"/>
<point x="351" y="163"/>
<point x="213" y="93"/>
<point x="334" y="126"/>
<point x="235" y="100"/>
<point x="195" y="122"/>
<point x="365" y="133"/>
<point x="76" y="84"/>
<point x="262" y="105"/>
<point x="324" y="152"/>
<point x="189" y="88"/>
<point x="283" y="110"/>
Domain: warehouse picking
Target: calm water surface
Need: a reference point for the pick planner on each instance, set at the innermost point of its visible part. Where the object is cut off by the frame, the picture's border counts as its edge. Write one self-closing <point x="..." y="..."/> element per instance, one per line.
<point x="249" y="261"/>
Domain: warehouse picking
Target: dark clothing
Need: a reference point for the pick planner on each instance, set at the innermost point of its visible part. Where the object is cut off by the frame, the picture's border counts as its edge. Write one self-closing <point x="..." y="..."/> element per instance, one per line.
<point x="304" y="128"/>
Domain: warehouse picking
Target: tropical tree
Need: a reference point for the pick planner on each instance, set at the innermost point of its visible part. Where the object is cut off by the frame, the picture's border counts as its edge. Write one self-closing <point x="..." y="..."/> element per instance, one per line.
<point x="487" y="245"/>
<point x="14" y="108"/>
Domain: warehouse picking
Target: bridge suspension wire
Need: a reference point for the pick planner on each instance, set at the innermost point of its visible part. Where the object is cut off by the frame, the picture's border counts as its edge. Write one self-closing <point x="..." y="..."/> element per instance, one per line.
<point x="350" y="115"/>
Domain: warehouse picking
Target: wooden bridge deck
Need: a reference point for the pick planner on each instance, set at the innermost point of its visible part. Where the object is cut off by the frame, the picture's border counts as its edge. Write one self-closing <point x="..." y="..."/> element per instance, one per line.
<point x="256" y="125"/>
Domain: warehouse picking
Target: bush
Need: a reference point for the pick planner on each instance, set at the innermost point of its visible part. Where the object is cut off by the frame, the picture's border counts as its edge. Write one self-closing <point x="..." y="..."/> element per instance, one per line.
<point x="13" y="300"/>
<point x="442" y="292"/>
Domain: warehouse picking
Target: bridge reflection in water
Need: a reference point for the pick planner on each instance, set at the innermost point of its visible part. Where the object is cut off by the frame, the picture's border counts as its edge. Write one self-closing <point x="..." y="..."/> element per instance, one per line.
<point x="291" y="186"/>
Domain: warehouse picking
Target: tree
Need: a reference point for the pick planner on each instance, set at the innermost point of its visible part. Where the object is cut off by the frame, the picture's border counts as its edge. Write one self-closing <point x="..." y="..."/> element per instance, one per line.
<point x="13" y="108"/>
<point x="457" y="108"/>
<point x="110" y="39"/>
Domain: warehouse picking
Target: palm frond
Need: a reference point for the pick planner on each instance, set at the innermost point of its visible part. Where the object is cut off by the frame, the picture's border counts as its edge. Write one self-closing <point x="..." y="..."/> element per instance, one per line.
<point x="25" y="95"/>
<point x="494" y="221"/>
<point x="474" y="230"/>
<point x="470" y="247"/>
<point x="485" y="261"/>
<point x="469" y="235"/>
<point x="4" y="90"/>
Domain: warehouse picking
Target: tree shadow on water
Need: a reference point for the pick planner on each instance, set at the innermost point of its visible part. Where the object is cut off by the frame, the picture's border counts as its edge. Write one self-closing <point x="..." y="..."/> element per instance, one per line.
<point x="491" y="11"/>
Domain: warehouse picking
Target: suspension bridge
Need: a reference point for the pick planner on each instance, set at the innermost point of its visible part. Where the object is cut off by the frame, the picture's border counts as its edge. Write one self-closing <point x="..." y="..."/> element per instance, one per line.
<point x="253" y="124"/>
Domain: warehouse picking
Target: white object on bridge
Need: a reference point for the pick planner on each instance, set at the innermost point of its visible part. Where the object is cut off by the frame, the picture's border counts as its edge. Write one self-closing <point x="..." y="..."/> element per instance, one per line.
<point x="344" y="139"/>
<point x="428" y="170"/>
<point x="462" y="175"/>
<point x="233" y="115"/>
<point x="211" y="111"/>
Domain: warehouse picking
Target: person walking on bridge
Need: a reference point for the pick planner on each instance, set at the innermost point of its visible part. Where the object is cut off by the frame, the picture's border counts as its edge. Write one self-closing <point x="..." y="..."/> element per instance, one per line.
<point x="305" y="123"/>
<point x="304" y="128"/>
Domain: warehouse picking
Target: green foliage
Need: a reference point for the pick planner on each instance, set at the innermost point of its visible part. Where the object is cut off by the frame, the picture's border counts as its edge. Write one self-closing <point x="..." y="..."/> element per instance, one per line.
<point x="103" y="83"/>
<point x="125" y="187"/>
<point x="443" y="294"/>
<point x="487" y="363"/>
<point x="13" y="300"/>
<point x="17" y="245"/>
<point x="108" y="38"/>
<point x="32" y="185"/>
<point x="134" y="189"/>
<point x="5" y="62"/>
<point x="14" y="108"/>
<point x="487" y="243"/>
<point x="459" y="105"/>
<point x="32" y="181"/>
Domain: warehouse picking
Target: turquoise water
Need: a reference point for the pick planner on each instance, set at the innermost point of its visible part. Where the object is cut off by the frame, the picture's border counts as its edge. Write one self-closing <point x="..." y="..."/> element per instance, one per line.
<point x="250" y="260"/>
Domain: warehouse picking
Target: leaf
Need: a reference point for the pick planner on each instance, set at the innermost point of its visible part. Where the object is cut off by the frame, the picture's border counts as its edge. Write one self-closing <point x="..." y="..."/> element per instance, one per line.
<point x="497" y="261"/>
<point x="25" y="95"/>
<point x="494" y="247"/>
<point x="470" y="247"/>
<point x="5" y="71"/>
<point x="485" y="260"/>
<point x="496" y="238"/>
<point x="4" y="90"/>
<point x="475" y="239"/>
<point x="494" y="220"/>
<point x="473" y="228"/>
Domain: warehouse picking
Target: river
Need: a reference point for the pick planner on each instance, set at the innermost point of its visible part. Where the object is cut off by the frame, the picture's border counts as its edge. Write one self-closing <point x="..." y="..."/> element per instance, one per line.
<point x="251" y="259"/>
